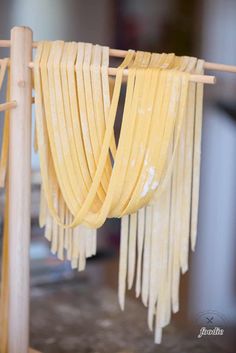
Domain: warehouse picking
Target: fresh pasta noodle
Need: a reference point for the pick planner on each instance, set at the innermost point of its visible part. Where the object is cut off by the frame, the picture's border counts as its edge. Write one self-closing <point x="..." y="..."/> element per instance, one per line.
<point x="196" y="155"/>
<point x="132" y="249"/>
<point x="140" y="241"/>
<point x="149" y="178"/>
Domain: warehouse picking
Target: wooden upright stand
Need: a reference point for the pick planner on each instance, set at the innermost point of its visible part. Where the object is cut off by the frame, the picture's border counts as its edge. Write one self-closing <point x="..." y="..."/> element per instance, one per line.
<point x="19" y="189"/>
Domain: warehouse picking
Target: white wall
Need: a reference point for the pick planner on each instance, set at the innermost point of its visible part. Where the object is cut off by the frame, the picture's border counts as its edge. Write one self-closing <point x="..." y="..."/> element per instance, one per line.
<point x="213" y="267"/>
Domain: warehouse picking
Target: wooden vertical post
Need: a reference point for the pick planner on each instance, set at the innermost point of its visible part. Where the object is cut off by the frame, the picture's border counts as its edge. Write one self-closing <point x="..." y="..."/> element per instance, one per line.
<point x="19" y="189"/>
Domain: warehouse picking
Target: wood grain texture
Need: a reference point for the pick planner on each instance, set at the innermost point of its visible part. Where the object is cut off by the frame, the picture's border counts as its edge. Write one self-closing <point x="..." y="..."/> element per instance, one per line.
<point x="19" y="189"/>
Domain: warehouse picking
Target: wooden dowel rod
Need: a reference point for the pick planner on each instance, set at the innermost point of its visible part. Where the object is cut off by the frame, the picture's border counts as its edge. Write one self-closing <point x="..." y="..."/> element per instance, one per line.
<point x="207" y="65"/>
<point x="11" y="105"/>
<point x="211" y="80"/>
<point x="220" y="67"/>
<point x="7" y="44"/>
<point x="7" y="106"/>
<point x="19" y="190"/>
<point x="31" y="350"/>
<point x="193" y="78"/>
<point x="118" y="53"/>
<point x="3" y="60"/>
<point x="112" y="71"/>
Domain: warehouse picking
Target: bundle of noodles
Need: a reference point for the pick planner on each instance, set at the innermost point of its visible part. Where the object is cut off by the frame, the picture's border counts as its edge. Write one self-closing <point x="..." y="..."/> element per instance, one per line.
<point x="163" y="228"/>
<point x="150" y="179"/>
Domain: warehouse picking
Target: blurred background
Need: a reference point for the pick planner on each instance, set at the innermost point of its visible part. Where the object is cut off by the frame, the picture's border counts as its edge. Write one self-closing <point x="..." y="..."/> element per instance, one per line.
<point x="78" y="312"/>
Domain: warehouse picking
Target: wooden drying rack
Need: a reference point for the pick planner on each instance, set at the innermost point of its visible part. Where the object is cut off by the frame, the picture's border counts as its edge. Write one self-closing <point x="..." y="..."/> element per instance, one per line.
<point x="20" y="103"/>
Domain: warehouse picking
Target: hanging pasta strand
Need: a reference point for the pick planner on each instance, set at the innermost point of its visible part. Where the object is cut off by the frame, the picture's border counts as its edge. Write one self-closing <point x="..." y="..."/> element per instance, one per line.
<point x="132" y="233"/>
<point x="196" y="156"/>
<point x="140" y="241"/>
<point x="161" y="275"/>
<point x="55" y="228"/>
<point x="123" y="260"/>
<point x="187" y="171"/>
<point x="180" y="185"/>
<point x="161" y="217"/>
<point x="61" y="230"/>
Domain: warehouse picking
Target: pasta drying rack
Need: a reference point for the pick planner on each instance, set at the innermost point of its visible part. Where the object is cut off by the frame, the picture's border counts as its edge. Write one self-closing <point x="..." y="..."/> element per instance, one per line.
<point x="19" y="168"/>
